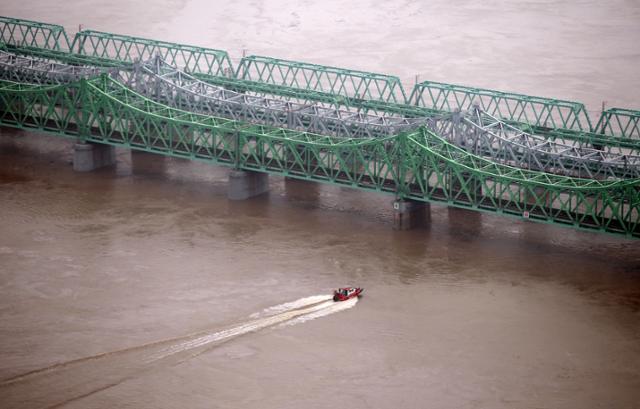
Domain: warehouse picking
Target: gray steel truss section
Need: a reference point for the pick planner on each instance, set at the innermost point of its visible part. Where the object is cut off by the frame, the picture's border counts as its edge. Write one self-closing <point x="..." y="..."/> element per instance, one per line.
<point x="41" y="71"/>
<point x="486" y="135"/>
<point x="166" y="84"/>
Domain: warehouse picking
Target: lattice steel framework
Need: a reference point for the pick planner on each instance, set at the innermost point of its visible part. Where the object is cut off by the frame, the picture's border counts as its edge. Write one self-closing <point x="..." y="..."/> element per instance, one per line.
<point x="622" y="122"/>
<point x="316" y="82"/>
<point x="443" y="171"/>
<point x="478" y="132"/>
<point x="418" y="165"/>
<point x="164" y="83"/>
<point x="175" y="88"/>
<point x="43" y="71"/>
<point x="351" y="84"/>
<point x="33" y="34"/>
<point x="488" y="136"/>
<point x="536" y="111"/>
<point x="38" y="38"/>
<point x="131" y="49"/>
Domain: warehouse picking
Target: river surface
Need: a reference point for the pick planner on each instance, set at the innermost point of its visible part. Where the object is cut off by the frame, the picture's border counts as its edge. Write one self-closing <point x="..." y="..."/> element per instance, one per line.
<point x="142" y="286"/>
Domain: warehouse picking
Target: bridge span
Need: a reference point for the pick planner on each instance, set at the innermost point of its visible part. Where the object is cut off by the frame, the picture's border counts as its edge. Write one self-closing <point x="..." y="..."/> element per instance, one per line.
<point x="515" y="155"/>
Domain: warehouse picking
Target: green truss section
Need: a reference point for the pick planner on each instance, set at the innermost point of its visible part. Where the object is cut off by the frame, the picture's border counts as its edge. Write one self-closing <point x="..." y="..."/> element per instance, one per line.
<point x="35" y="38"/>
<point x="351" y="84"/>
<point x="129" y="49"/>
<point x="477" y="165"/>
<point x="419" y="165"/>
<point x="27" y="33"/>
<point x="536" y="111"/>
<point x="619" y="121"/>
<point x="440" y="171"/>
<point x="304" y="81"/>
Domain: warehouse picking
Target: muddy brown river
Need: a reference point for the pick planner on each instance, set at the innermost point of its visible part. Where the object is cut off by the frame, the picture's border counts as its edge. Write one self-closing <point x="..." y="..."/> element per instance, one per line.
<point x="142" y="286"/>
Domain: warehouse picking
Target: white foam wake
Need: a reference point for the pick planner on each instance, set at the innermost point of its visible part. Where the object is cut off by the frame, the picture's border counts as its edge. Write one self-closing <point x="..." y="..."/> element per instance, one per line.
<point x="291" y="313"/>
<point x="328" y="307"/>
<point x="302" y="302"/>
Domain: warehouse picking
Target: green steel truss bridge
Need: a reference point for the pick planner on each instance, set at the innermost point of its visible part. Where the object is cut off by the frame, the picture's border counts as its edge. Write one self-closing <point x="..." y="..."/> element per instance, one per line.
<point x="485" y="150"/>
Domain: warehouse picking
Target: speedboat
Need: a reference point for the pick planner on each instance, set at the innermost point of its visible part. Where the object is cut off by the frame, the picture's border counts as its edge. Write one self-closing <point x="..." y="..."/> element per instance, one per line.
<point x="345" y="293"/>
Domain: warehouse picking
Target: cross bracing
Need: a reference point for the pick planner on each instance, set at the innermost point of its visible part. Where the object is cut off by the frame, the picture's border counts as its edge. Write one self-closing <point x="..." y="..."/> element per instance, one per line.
<point x="493" y="138"/>
<point x="176" y="88"/>
<point x="351" y="84"/>
<point x="36" y="70"/>
<point x="546" y="115"/>
<point x="486" y="135"/>
<point x="416" y="164"/>
<point x="606" y="143"/>
<point x="537" y="111"/>
<point x="316" y="82"/>
<point x="162" y="82"/>
<point x="619" y="121"/>
<point x="477" y="131"/>
<point x="131" y="49"/>
<point x="18" y="33"/>
<point x="27" y="33"/>
<point x="476" y="182"/>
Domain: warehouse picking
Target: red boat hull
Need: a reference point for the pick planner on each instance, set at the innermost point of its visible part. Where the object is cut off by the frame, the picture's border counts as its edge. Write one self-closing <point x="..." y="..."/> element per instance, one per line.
<point x="344" y="294"/>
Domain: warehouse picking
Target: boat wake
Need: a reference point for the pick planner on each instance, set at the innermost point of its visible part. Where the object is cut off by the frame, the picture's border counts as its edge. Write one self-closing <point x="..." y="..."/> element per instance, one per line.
<point x="72" y="380"/>
<point x="290" y="313"/>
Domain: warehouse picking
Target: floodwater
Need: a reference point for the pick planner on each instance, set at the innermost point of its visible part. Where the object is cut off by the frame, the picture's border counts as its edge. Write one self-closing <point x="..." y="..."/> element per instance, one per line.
<point x="142" y="286"/>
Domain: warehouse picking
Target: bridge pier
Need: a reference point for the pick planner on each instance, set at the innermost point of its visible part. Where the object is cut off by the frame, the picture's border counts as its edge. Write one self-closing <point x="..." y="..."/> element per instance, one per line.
<point x="91" y="156"/>
<point x="408" y="214"/>
<point x="245" y="184"/>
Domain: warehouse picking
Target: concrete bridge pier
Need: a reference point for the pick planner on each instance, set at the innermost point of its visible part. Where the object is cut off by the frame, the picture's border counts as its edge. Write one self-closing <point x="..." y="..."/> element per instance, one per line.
<point x="245" y="184"/>
<point x="91" y="156"/>
<point x="408" y="214"/>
